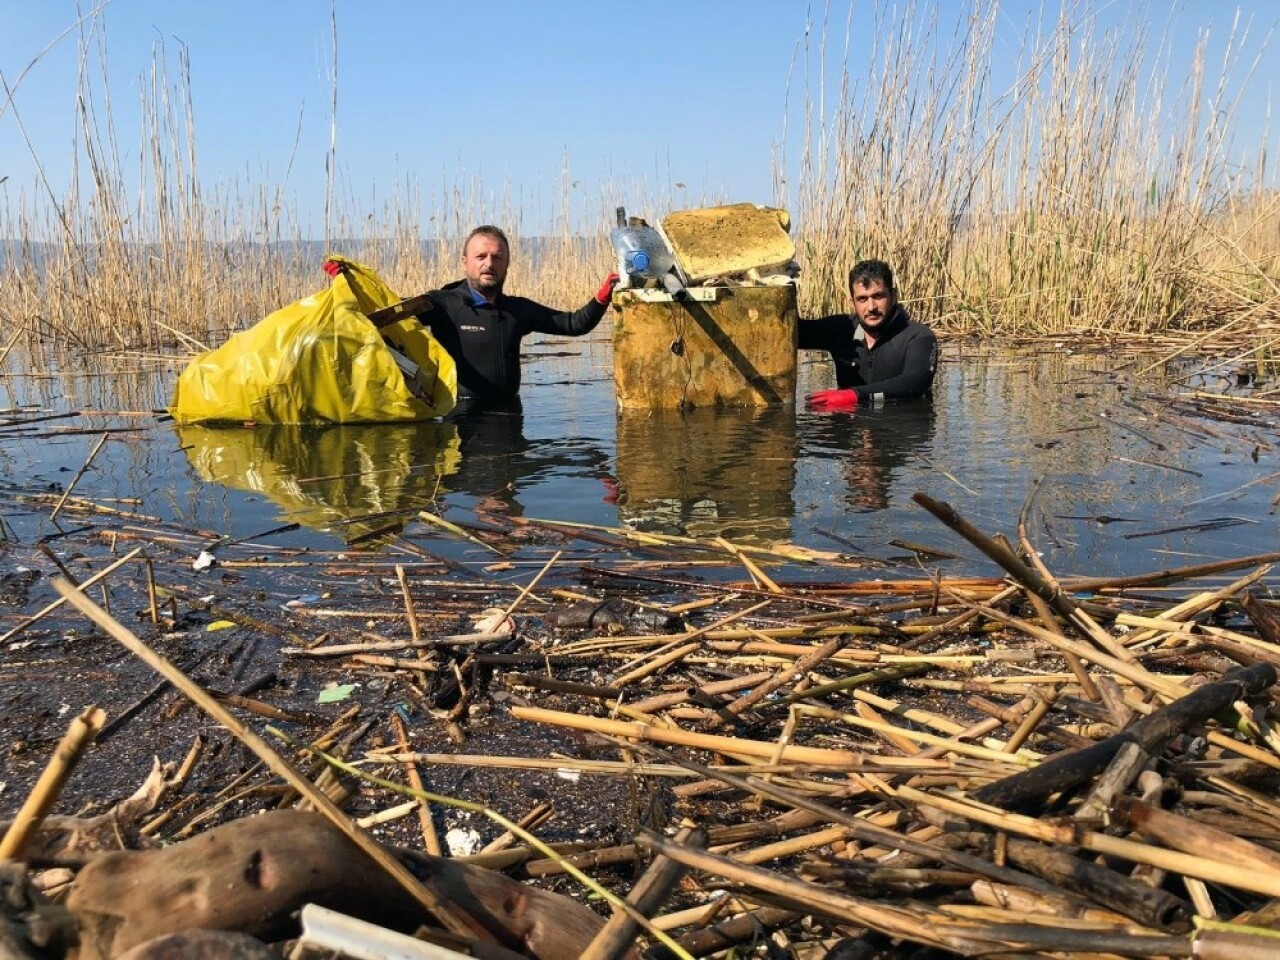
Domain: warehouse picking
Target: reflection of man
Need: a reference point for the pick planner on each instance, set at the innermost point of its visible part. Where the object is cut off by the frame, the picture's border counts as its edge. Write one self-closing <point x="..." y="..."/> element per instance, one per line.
<point x="498" y="461"/>
<point x="873" y="447"/>
<point x="482" y="327"/>
<point x="880" y="353"/>
<point x="493" y="448"/>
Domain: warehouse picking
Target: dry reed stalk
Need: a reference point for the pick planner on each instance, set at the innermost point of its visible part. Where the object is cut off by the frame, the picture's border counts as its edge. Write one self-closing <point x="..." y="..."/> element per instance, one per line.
<point x="801" y="667"/>
<point x="698" y="632"/>
<point x="527" y="591"/>
<point x="759" y="575"/>
<point x="1201" y="603"/>
<point x="1048" y="590"/>
<point x="430" y="839"/>
<point x="655" y="665"/>
<point x="665" y="700"/>
<point x="616" y="939"/>
<point x="1131" y="671"/>
<point x="76" y="479"/>
<point x="409" y="611"/>
<point x="78" y="738"/>
<point x="733" y="746"/>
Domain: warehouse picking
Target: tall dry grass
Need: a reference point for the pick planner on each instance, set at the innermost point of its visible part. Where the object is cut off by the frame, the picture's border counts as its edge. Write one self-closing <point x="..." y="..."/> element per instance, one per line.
<point x="1082" y="188"/>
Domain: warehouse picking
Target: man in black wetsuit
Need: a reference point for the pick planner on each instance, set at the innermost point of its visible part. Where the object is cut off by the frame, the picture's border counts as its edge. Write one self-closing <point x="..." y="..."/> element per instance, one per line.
<point x="880" y="353"/>
<point x="482" y="327"/>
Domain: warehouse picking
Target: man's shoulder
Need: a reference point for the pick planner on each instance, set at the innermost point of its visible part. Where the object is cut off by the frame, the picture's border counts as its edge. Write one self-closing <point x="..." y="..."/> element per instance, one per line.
<point x="448" y="295"/>
<point x="451" y="289"/>
<point x="914" y="326"/>
<point x="515" y="304"/>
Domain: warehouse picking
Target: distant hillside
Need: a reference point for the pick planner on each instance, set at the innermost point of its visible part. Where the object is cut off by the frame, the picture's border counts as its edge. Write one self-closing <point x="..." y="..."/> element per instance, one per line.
<point x="531" y="250"/>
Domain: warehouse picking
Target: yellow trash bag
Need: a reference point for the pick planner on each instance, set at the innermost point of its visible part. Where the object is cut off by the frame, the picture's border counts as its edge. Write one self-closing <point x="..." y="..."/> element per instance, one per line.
<point x="321" y="360"/>
<point x="354" y="480"/>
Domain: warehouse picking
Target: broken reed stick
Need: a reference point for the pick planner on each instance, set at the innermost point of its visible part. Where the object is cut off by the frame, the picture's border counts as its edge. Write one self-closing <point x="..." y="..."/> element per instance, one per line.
<point x="909" y="923"/>
<point x="643" y="731"/>
<point x="617" y="936"/>
<point x="79" y="736"/>
<point x="710" y="936"/>
<point x="716" y="687"/>
<point x="752" y="567"/>
<point x="456" y="530"/>
<point x="409" y="611"/>
<point x="800" y="668"/>
<point x="525" y="591"/>
<point x="49" y="608"/>
<point x="1029" y="578"/>
<point x="449" y="915"/>
<point x="1129" y="668"/>
<point x="654" y="665"/>
<point x="683" y="639"/>
<point x="430" y="839"/>
<point x="76" y="479"/>
<point x="958" y="747"/>
<point x="538" y="815"/>
<point x="1041" y="706"/>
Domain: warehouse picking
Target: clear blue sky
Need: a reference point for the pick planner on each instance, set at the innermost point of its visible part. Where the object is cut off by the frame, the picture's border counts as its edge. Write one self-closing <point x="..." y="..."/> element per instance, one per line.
<point x="693" y="93"/>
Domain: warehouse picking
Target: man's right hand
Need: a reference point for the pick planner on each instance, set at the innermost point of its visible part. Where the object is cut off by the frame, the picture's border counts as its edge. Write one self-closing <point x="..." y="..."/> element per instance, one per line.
<point x="605" y="293"/>
<point x="832" y="400"/>
<point x="332" y="268"/>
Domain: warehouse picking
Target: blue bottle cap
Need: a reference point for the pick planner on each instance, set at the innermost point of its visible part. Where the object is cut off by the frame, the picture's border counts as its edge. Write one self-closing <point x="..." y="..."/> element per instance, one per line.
<point x="639" y="261"/>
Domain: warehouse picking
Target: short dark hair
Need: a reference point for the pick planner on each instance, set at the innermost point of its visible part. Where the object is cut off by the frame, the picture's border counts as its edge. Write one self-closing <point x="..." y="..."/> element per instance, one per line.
<point x="486" y="230"/>
<point x="867" y="272"/>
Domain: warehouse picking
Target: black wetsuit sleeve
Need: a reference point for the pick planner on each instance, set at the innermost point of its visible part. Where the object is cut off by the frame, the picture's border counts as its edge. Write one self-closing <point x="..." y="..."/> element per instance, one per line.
<point x="919" y="362"/>
<point x="833" y="334"/>
<point x="537" y="318"/>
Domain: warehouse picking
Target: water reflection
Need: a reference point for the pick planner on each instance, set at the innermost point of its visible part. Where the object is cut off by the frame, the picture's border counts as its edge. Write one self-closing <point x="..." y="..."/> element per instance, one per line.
<point x="327" y="477"/>
<point x="499" y="464"/>
<point x="871" y="446"/>
<point x="707" y="472"/>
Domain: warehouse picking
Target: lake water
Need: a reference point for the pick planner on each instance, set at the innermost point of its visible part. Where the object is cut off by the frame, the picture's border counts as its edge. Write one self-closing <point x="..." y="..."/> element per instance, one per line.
<point x="1122" y="461"/>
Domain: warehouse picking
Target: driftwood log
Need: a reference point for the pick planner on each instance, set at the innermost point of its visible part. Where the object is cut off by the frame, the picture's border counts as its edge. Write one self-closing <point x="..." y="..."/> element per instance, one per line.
<point x="251" y="876"/>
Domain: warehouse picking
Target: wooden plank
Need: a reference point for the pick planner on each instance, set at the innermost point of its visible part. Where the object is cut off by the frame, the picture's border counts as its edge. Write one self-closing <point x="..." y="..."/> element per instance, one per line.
<point x="409" y="307"/>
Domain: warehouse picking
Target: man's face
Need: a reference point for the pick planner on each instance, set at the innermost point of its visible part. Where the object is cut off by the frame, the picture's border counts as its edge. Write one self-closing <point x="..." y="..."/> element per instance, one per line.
<point x="484" y="264"/>
<point x="873" y="302"/>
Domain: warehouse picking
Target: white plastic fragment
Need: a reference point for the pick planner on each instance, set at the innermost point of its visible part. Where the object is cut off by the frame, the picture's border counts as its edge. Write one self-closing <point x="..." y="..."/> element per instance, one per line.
<point x="462" y="842"/>
<point x="326" y="932"/>
<point x="204" y="561"/>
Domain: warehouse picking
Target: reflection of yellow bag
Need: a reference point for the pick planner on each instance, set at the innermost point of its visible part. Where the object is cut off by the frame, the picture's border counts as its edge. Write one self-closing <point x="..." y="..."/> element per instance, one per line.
<point x="321" y="360"/>
<point x="320" y="475"/>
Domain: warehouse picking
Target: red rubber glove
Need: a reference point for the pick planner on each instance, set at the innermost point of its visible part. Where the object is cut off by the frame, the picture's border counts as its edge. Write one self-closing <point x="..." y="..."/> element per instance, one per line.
<point x="332" y="268"/>
<point x="605" y="293"/>
<point x="832" y="400"/>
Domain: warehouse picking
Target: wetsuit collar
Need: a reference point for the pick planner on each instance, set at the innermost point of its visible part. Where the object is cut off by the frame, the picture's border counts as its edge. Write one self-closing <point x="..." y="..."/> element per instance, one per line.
<point x="478" y="299"/>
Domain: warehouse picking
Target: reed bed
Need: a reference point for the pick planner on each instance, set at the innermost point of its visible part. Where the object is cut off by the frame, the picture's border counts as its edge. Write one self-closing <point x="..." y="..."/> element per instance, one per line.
<point x="1087" y="191"/>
